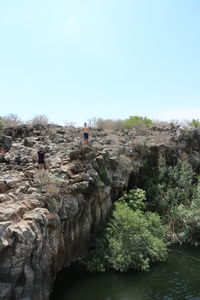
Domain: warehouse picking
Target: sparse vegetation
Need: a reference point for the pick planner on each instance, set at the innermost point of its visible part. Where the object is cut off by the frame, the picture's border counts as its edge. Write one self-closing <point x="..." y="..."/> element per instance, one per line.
<point x="52" y="186"/>
<point x="70" y="124"/>
<point x="136" y="122"/>
<point x="39" y="119"/>
<point x="107" y="124"/>
<point x="49" y="182"/>
<point x="11" y="120"/>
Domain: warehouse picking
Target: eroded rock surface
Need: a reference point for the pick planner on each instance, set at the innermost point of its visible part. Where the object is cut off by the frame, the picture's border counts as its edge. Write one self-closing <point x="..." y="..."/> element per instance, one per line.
<point x="47" y="223"/>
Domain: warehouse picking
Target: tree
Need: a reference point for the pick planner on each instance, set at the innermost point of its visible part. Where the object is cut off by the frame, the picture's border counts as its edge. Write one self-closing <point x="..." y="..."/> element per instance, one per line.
<point x="132" y="238"/>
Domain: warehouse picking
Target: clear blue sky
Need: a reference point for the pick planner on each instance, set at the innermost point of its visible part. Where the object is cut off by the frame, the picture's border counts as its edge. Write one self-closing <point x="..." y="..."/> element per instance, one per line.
<point x="77" y="59"/>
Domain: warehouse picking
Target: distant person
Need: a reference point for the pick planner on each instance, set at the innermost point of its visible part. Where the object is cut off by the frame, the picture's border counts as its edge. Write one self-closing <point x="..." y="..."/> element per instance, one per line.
<point x="41" y="154"/>
<point x="85" y="134"/>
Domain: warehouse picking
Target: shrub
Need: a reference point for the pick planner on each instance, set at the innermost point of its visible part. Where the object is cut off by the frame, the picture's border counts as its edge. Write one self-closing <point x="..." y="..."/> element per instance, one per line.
<point x="39" y="119"/>
<point x="160" y="124"/>
<point x="131" y="239"/>
<point x="107" y="124"/>
<point x="135" y="199"/>
<point x="184" y="220"/>
<point x="135" y="239"/>
<point x="184" y="224"/>
<point x="52" y="186"/>
<point x="49" y="182"/>
<point x="195" y="123"/>
<point x="137" y="122"/>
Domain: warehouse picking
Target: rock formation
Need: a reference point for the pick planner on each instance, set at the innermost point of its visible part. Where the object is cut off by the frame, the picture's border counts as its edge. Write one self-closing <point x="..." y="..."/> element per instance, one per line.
<point x="47" y="218"/>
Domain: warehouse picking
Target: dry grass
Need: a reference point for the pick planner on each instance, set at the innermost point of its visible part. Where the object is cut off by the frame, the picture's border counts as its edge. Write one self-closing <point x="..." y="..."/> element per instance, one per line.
<point x="11" y="120"/>
<point x="39" y="119"/>
<point x="49" y="182"/>
<point x="107" y="124"/>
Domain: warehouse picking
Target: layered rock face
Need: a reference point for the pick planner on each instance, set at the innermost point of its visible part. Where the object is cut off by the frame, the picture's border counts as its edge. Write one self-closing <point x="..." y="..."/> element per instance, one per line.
<point x="47" y="218"/>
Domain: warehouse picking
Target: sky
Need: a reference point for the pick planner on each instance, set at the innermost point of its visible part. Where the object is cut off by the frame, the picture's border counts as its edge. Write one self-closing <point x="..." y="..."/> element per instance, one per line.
<point x="75" y="60"/>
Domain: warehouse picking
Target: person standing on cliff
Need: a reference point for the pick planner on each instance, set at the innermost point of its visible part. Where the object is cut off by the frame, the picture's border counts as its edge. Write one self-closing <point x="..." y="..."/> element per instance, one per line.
<point x="85" y="134"/>
<point x="41" y="154"/>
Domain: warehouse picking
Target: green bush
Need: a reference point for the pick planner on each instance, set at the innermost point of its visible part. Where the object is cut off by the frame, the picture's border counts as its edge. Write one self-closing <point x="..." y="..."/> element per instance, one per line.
<point x="135" y="199"/>
<point x="195" y="123"/>
<point x="131" y="240"/>
<point x="135" y="239"/>
<point x="137" y="122"/>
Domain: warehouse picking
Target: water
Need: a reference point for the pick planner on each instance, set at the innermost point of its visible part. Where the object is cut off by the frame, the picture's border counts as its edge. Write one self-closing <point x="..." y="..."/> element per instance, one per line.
<point x="176" y="279"/>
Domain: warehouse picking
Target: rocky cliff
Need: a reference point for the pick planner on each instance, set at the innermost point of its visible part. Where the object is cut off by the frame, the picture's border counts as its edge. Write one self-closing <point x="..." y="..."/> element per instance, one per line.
<point x="47" y="218"/>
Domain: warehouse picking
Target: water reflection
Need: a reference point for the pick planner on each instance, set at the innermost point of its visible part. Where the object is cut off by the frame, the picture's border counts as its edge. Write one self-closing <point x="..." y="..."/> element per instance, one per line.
<point x="176" y="279"/>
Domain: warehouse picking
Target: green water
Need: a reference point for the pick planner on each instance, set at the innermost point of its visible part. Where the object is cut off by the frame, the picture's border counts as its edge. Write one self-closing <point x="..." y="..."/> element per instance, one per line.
<point x="176" y="279"/>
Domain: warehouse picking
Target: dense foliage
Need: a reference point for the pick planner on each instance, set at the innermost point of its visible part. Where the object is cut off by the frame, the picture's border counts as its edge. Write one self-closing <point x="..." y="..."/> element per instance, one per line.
<point x="135" y="199"/>
<point x="173" y="193"/>
<point x="132" y="239"/>
<point x="169" y="185"/>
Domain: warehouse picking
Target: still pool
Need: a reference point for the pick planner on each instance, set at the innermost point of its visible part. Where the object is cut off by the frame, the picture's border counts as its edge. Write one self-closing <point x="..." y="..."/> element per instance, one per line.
<point x="176" y="279"/>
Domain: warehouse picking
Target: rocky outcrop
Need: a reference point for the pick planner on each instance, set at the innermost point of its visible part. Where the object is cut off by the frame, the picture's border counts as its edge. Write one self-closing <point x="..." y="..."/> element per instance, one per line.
<point x="47" y="218"/>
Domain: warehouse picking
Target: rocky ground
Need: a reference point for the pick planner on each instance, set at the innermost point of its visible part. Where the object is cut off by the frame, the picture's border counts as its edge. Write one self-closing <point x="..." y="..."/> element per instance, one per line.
<point x="47" y="217"/>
